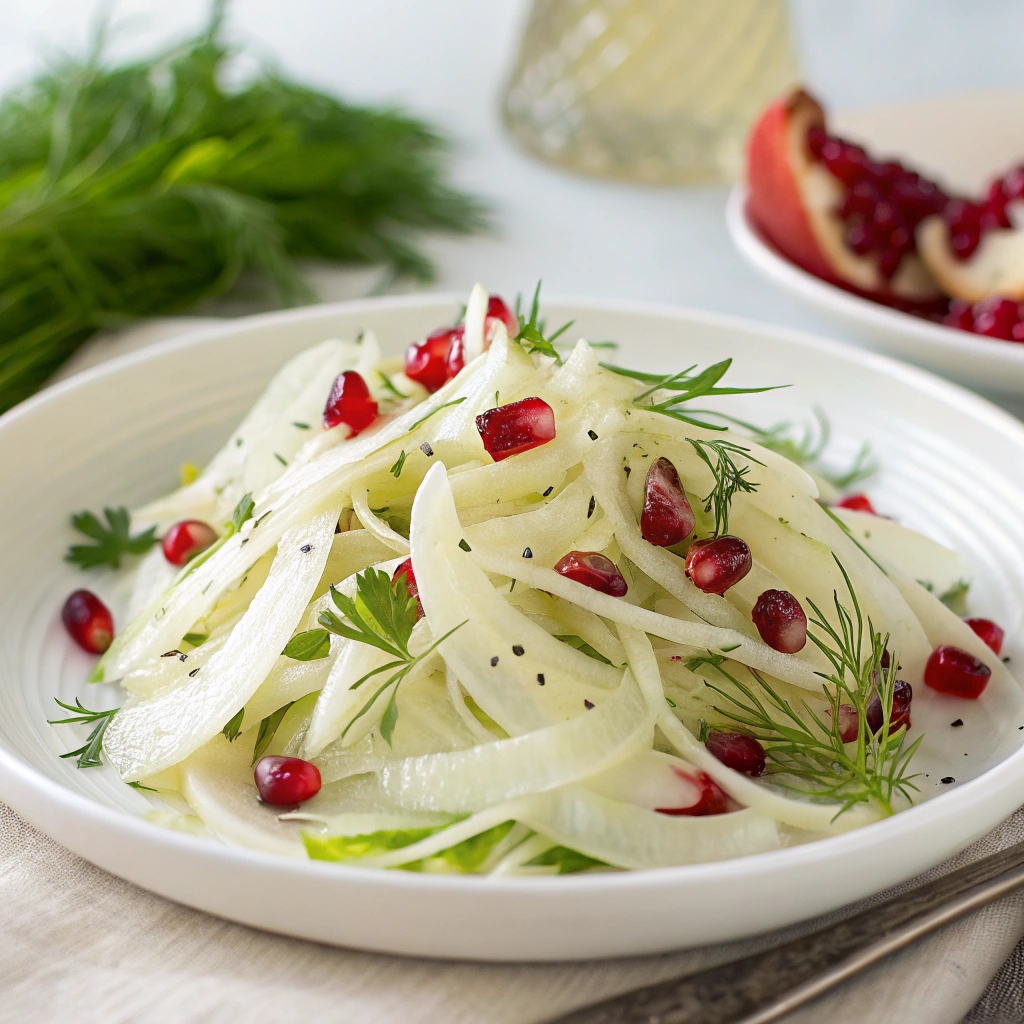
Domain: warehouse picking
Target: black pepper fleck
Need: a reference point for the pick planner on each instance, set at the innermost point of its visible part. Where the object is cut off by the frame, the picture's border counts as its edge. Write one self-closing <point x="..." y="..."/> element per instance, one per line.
<point x="591" y="435"/>
<point x="957" y="723"/>
<point x="548" y="491"/>
<point x="245" y="540"/>
<point x="540" y="678"/>
<point x="587" y="704"/>
<point x="518" y="651"/>
<point x="527" y="553"/>
<point x="947" y="780"/>
<point x="494" y="661"/>
<point x="627" y="470"/>
<point x="193" y="672"/>
<point x="464" y="545"/>
<point x="306" y="548"/>
<point x="426" y="449"/>
<point x="592" y="506"/>
<point x="170" y="654"/>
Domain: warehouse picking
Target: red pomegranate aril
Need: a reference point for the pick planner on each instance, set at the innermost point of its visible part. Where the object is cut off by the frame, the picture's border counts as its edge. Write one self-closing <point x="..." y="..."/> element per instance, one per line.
<point x="991" y="633"/>
<point x="404" y="571"/>
<point x="712" y="799"/>
<point x="593" y="570"/>
<point x="456" y="360"/>
<point x="497" y="308"/>
<point x="961" y="314"/>
<point x="954" y="671"/>
<point x="899" y="714"/>
<point x="780" y="621"/>
<point x="716" y="565"/>
<point x="350" y="402"/>
<point x="667" y="517"/>
<point x="857" y="503"/>
<point x="184" y="540"/>
<point x="516" y="428"/>
<point x="89" y="621"/>
<point x="738" y="751"/>
<point x="849" y="723"/>
<point x="282" y="781"/>
<point x="426" y="361"/>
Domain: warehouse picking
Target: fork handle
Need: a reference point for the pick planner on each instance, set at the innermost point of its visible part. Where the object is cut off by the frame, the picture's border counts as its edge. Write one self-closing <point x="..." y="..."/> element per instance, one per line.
<point x="764" y="987"/>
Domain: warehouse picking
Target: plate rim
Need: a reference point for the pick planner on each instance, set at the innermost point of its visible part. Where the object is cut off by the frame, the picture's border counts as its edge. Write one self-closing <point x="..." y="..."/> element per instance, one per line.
<point x="20" y="782"/>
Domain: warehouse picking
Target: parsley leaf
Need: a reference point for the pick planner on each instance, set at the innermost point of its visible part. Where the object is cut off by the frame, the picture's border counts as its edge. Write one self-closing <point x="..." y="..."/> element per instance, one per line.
<point x="232" y="729"/>
<point x="112" y="540"/>
<point x="310" y="645"/>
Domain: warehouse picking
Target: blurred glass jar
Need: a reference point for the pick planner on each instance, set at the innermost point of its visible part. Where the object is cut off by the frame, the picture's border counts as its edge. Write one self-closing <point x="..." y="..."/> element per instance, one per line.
<point x="658" y="91"/>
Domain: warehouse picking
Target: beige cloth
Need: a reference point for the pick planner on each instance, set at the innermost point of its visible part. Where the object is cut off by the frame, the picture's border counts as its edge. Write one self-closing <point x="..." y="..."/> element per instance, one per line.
<point x="77" y="944"/>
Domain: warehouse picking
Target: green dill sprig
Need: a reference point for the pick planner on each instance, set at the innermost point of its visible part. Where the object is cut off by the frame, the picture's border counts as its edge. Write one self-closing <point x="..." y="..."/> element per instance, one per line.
<point x="382" y="615"/>
<point x="89" y="753"/>
<point x="807" y="752"/>
<point x="531" y="330"/>
<point x="730" y="479"/>
<point x="111" y="541"/>
<point x="683" y="387"/>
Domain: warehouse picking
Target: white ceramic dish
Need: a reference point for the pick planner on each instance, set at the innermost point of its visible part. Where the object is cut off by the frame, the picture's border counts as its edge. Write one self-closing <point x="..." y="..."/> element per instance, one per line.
<point x="117" y="433"/>
<point x="989" y="138"/>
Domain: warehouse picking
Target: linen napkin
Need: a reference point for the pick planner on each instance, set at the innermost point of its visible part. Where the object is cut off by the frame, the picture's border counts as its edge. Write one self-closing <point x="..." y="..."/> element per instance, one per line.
<point x="77" y="944"/>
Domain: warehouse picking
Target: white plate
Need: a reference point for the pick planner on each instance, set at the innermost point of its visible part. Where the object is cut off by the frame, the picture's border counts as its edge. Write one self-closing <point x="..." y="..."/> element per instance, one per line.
<point x="117" y="433"/>
<point x="989" y="138"/>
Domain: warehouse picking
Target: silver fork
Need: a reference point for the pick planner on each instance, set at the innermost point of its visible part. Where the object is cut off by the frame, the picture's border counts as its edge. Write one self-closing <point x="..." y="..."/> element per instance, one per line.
<point x="763" y="987"/>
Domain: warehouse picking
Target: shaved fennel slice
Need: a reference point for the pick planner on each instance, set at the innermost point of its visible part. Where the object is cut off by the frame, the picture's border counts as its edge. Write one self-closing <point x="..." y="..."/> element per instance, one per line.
<point x="157" y="733"/>
<point x="919" y="557"/>
<point x="516" y="672"/>
<point x="476" y="314"/>
<point x="628" y="836"/>
<point x="377" y="527"/>
<point x="603" y="470"/>
<point x="814" y="817"/>
<point x="480" y="732"/>
<point x="502" y="770"/>
<point x="338" y="701"/>
<point x="740" y="648"/>
<point x="547" y="532"/>
<point x="287" y="681"/>
<point x="152" y="577"/>
<point x="568" y="619"/>
<point x="171" y="669"/>
<point x="351" y="553"/>
<point x="216" y="780"/>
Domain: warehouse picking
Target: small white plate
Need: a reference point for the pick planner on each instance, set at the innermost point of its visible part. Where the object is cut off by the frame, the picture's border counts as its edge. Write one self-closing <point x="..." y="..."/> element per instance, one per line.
<point x="988" y="139"/>
<point x="117" y="433"/>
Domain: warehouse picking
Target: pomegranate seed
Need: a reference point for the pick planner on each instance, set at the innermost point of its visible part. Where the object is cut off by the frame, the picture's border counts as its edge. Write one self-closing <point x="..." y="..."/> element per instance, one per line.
<point x="350" y="403"/>
<point x="954" y="671"/>
<point x="781" y="621"/>
<point x="857" y="503"/>
<point x="899" y="715"/>
<point x="89" y="621"/>
<point x="426" y="361"/>
<point x="849" y="723"/>
<point x="512" y="429"/>
<point x="712" y="799"/>
<point x="1014" y="184"/>
<point x="457" y="353"/>
<point x="961" y="314"/>
<point x="286" y="780"/>
<point x="404" y="571"/>
<point x="989" y="632"/>
<point x="737" y="751"/>
<point x="667" y="517"/>
<point x="716" y="565"/>
<point x="498" y="309"/>
<point x="593" y="570"/>
<point x="184" y="540"/>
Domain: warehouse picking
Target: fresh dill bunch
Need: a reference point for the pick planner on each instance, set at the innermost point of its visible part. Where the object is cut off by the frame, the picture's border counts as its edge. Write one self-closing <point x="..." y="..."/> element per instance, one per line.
<point x="140" y="188"/>
<point x="805" y="749"/>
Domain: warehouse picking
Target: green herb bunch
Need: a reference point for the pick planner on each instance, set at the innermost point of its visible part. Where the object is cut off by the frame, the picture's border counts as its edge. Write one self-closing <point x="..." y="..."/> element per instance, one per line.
<point x="141" y="188"/>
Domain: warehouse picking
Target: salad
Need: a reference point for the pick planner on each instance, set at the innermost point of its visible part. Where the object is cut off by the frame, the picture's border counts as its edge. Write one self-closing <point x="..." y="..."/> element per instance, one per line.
<point x="506" y="607"/>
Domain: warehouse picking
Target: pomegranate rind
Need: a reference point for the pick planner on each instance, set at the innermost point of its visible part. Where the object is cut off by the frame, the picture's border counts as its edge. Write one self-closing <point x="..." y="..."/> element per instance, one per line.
<point x="995" y="268"/>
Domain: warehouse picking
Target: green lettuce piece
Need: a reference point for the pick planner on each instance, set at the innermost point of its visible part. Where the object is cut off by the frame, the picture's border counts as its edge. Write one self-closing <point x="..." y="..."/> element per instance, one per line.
<point x="566" y="860"/>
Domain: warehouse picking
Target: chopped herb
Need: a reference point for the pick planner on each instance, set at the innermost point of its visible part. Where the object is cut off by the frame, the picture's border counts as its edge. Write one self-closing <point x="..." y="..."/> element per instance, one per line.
<point x="531" y="331"/>
<point x="311" y="645"/>
<point x="443" y="405"/>
<point x="566" y="860"/>
<point x="112" y="541"/>
<point x="583" y="647"/>
<point x="464" y="544"/>
<point x="281" y="459"/>
<point x="591" y="435"/>
<point x="729" y="478"/>
<point x="143" y="789"/>
<point x="268" y="729"/>
<point x="196" y="639"/>
<point x="684" y="388"/>
<point x="726" y="650"/>
<point x="301" y="426"/>
<point x="396" y="469"/>
<point x="670" y="702"/>
<point x="89" y="753"/>
<point x="381" y="511"/>
<point x="234" y="726"/>
<point x="389" y="385"/>
<point x="382" y="615"/>
<point x="548" y="491"/>
<point x="242" y="513"/>
<point x="955" y="598"/>
<point x="592" y="505"/>
<point x="194" y="672"/>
